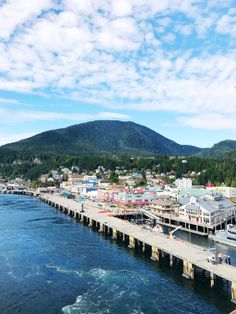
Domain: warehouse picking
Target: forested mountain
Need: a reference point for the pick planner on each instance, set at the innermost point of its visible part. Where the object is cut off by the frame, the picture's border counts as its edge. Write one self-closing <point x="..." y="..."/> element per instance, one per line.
<point x="223" y="149"/>
<point x="104" y="137"/>
<point x="112" y="144"/>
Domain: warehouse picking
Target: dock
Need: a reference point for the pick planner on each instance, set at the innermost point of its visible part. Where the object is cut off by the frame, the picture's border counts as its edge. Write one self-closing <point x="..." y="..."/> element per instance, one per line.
<point x="192" y="256"/>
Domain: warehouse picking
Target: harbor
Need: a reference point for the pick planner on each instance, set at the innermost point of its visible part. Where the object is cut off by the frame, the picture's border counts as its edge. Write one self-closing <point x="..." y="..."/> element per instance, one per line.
<point x="52" y="263"/>
<point x="192" y="257"/>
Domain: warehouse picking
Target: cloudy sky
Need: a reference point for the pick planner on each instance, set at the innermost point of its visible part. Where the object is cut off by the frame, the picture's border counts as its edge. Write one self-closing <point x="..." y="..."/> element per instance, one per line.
<point x="167" y="64"/>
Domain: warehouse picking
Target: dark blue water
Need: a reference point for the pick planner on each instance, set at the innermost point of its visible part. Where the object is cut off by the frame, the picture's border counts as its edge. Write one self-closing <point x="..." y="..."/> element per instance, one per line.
<point x="51" y="264"/>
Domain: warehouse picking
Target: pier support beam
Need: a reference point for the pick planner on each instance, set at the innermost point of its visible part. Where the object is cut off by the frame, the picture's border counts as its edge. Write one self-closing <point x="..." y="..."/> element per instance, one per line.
<point x="144" y="247"/>
<point x="101" y="228"/>
<point x="131" y="242"/>
<point x="114" y="233"/>
<point x="212" y="279"/>
<point x="155" y="253"/>
<point x="188" y="270"/>
<point x="171" y="260"/>
<point x="233" y="291"/>
<point x="90" y="222"/>
<point x="123" y="237"/>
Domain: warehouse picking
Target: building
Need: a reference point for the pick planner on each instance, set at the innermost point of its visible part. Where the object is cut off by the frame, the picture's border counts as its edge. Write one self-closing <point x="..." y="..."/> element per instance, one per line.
<point x="90" y="178"/>
<point x="164" y="204"/>
<point x="228" y="192"/>
<point x="212" y="208"/>
<point x="192" y="192"/>
<point x="90" y="192"/>
<point x="74" y="178"/>
<point x="43" y="178"/>
<point x="183" y="183"/>
<point x="131" y="198"/>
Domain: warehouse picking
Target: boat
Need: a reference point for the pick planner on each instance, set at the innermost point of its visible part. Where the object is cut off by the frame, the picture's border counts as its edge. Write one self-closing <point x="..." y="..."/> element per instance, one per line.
<point x="227" y="236"/>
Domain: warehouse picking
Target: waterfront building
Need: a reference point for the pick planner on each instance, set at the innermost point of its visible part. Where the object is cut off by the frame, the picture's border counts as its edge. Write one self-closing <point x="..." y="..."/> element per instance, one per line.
<point x="74" y="178"/>
<point x="228" y="192"/>
<point x="89" y="191"/>
<point x="3" y="187"/>
<point x="164" y="204"/>
<point x="107" y="194"/>
<point x="212" y="208"/>
<point x="134" y="198"/>
<point x="197" y="192"/>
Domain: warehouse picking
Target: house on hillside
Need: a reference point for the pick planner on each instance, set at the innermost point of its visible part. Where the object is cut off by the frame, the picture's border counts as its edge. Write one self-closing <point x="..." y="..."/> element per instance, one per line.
<point x="183" y="183"/>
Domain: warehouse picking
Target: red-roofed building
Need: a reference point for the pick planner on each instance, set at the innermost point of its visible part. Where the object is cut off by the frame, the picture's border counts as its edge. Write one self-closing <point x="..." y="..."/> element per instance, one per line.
<point x="210" y="185"/>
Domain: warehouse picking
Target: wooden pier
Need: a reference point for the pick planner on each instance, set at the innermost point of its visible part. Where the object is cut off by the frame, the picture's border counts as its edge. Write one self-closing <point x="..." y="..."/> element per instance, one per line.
<point x="192" y="256"/>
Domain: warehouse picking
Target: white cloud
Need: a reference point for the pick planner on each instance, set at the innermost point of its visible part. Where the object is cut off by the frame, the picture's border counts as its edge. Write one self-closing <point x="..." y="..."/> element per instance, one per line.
<point x="8" y="101"/>
<point x="227" y="25"/>
<point x="30" y="116"/>
<point x="14" y="13"/>
<point x="121" y="7"/>
<point x="209" y="121"/>
<point x="13" y="137"/>
<point x="113" y="53"/>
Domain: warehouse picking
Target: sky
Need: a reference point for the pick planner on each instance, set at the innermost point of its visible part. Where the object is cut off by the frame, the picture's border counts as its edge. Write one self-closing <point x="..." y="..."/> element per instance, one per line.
<point x="167" y="64"/>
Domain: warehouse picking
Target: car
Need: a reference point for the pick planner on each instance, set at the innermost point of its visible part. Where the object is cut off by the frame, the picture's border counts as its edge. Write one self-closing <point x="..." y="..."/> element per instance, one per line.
<point x="212" y="259"/>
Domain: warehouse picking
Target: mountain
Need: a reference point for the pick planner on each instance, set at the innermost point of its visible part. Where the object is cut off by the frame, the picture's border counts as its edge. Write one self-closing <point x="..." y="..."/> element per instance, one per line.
<point x="103" y="137"/>
<point x="223" y="149"/>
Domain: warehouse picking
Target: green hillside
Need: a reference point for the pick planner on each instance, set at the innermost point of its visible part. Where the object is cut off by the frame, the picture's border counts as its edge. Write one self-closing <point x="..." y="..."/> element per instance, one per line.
<point x="223" y="149"/>
<point x="104" y="137"/>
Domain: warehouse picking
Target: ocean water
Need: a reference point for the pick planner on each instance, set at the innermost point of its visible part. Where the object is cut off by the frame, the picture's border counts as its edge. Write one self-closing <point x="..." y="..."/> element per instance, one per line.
<point x="50" y="263"/>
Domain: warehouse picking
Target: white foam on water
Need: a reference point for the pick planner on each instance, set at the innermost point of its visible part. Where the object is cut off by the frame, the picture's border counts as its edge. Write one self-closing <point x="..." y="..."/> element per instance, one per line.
<point x="138" y="311"/>
<point x="99" y="273"/>
<point x="59" y="269"/>
<point x="105" y="292"/>
<point x="69" y="309"/>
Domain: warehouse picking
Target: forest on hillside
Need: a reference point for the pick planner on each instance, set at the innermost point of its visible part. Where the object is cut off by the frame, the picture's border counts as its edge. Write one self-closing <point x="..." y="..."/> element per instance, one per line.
<point x="30" y="165"/>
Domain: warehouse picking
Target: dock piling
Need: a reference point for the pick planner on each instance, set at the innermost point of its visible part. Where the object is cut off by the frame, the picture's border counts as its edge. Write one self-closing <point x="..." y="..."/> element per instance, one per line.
<point x="233" y="292"/>
<point x="188" y="270"/>
<point x="212" y="279"/>
<point x="155" y="254"/>
<point x="131" y="242"/>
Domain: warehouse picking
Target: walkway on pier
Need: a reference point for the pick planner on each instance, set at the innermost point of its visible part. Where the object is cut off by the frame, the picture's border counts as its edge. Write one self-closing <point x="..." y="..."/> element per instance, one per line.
<point x="190" y="254"/>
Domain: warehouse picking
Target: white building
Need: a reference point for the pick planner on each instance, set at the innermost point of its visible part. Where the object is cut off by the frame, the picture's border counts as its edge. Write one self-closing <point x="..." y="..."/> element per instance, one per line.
<point x="131" y="198"/>
<point x="90" y="178"/>
<point x="90" y="192"/>
<point x="183" y="183"/>
<point x="212" y="208"/>
<point x="228" y="192"/>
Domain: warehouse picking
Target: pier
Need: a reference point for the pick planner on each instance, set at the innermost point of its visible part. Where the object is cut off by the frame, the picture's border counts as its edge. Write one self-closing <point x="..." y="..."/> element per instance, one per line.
<point x="192" y="256"/>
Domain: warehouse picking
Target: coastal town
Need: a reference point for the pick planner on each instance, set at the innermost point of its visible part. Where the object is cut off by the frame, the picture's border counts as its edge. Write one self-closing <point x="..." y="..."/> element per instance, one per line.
<point x="197" y="209"/>
<point x="146" y="209"/>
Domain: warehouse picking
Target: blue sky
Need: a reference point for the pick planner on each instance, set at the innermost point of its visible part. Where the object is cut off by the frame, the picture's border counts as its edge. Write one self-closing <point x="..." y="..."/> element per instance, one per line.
<point x="167" y="64"/>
